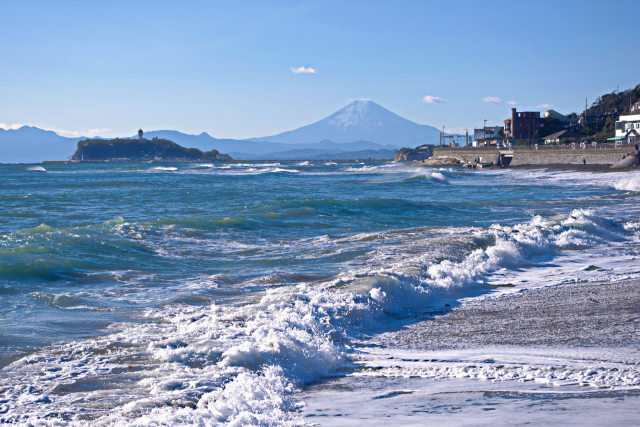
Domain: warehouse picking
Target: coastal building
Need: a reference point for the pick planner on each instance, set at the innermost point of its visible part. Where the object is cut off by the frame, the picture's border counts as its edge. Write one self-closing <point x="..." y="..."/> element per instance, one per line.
<point x="561" y="137"/>
<point x="491" y="132"/>
<point x="628" y="129"/>
<point x="522" y="125"/>
<point x="553" y="114"/>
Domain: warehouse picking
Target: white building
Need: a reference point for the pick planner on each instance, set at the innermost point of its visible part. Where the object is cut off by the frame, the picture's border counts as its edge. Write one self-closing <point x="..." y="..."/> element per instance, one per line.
<point x="485" y="135"/>
<point x="553" y="114"/>
<point x="628" y="127"/>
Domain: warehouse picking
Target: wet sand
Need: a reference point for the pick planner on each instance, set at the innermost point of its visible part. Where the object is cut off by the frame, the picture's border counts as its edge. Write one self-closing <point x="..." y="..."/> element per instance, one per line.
<point x="588" y="314"/>
<point x="576" y="167"/>
<point x="567" y="167"/>
<point x="561" y="355"/>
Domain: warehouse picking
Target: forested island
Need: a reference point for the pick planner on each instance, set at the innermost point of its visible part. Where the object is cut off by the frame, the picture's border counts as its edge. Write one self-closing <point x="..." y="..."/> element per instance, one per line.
<point x="133" y="150"/>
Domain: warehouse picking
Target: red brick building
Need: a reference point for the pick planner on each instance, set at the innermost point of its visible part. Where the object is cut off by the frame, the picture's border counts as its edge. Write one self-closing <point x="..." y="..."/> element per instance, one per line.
<point x="522" y="126"/>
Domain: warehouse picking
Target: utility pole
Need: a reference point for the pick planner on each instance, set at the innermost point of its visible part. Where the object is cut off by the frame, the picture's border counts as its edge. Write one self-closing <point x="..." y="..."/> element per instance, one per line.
<point x="585" y="114"/>
<point x="484" y="129"/>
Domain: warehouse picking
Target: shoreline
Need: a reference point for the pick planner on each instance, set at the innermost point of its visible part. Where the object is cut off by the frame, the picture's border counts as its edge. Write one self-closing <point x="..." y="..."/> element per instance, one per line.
<point x="551" y="355"/>
<point x="558" y="166"/>
<point x="582" y="314"/>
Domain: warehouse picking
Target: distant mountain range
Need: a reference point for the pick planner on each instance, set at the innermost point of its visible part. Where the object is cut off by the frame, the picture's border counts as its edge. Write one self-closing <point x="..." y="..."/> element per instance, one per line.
<point x="362" y="129"/>
<point x="30" y="144"/>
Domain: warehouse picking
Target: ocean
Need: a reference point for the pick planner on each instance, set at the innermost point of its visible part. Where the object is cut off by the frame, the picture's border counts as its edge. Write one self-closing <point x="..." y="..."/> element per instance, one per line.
<point x="298" y="293"/>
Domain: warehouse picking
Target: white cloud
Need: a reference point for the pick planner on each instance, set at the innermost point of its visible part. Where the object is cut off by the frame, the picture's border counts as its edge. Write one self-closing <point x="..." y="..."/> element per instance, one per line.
<point x="78" y="133"/>
<point x="498" y="101"/>
<point x="12" y="126"/>
<point x="61" y="132"/>
<point x="303" y="70"/>
<point x="432" y="99"/>
<point x="544" y="106"/>
<point x="67" y="133"/>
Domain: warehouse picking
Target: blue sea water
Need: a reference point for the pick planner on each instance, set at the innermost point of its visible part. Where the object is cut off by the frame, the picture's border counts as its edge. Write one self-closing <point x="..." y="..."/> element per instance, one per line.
<point x="215" y="293"/>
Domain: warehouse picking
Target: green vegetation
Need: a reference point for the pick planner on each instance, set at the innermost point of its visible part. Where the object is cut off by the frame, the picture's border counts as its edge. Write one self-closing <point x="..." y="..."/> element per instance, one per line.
<point x="603" y="113"/>
<point x="601" y="117"/>
<point x="141" y="150"/>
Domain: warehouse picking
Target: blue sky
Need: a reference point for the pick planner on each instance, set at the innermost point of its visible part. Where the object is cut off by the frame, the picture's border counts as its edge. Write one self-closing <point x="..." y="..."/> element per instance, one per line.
<point x="226" y="68"/>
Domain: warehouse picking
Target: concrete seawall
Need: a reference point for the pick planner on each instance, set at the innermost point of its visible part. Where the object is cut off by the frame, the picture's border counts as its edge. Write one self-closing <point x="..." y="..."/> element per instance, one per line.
<point x="541" y="156"/>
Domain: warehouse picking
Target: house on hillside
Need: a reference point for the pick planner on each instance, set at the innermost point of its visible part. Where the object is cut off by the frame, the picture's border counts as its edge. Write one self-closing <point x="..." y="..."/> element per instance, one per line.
<point x="553" y="114"/>
<point x="561" y="137"/>
<point x="627" y="129"/>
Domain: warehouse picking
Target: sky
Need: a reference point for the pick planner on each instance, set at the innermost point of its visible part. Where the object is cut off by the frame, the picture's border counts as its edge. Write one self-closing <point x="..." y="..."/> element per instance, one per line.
<point x="256" y="68"/>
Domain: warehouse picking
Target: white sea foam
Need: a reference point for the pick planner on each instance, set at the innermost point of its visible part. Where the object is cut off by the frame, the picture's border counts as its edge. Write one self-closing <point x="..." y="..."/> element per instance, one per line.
<point x="247" y="171"/>
<point x="36" y="169"/>
<point x="163" y="169"/>
<point x="438" y="177"/>
<point x="241" y="364"/>
<point x="283" y="170"/>
<point x="552" y="385"/>
<point x="632" y="183"/>
<point x="256" y="165"/>
<point x="598" y="368"/>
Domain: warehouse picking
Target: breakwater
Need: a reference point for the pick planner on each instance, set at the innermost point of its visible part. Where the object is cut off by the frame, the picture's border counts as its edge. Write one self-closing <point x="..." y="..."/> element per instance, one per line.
<point x="603" y="154"/>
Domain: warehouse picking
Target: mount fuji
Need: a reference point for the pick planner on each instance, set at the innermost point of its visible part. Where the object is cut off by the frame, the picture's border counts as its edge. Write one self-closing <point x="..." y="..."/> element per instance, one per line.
<point x="362" y="120"/>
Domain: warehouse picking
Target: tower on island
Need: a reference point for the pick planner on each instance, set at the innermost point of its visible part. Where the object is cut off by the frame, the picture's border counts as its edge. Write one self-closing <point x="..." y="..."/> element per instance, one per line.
<point x="140" y="134"/>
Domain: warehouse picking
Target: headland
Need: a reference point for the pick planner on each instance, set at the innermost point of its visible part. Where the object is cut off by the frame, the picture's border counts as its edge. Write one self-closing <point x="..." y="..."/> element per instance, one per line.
<point x="137" y="150"/>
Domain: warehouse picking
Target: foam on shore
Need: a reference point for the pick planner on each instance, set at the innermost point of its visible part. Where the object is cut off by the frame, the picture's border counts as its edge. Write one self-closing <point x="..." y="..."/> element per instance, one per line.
<point x="241" y="364"/>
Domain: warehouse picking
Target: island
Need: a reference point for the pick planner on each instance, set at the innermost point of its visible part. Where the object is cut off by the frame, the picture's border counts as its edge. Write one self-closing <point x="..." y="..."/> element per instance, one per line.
<point x="138" y="150"/>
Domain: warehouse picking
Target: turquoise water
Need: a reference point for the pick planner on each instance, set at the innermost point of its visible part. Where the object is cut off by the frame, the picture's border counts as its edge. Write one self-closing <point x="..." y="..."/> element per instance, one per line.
<point x="187" y="280"/>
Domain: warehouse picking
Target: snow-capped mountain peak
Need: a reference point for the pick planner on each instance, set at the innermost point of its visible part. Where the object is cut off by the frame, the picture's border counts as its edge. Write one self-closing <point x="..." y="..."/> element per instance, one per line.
<point x="360" y="113"/>
<point x="361" y="120"/>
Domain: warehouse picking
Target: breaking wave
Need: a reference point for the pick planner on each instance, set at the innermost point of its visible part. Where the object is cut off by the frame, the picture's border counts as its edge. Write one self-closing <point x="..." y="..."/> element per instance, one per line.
<point x="631" y="183"/>
<point x="36" y="169"/>
<point x="241" y="364"/>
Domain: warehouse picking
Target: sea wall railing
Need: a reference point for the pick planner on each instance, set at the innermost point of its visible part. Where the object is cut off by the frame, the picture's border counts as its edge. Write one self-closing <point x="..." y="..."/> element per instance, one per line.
<point x="572" y="146"/>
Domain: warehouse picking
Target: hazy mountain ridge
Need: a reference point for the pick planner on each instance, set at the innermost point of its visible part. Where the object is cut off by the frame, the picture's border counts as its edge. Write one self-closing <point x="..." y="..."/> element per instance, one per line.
<point x="360" y="128"/>
<point x="30" y="144"/>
